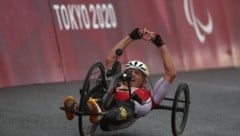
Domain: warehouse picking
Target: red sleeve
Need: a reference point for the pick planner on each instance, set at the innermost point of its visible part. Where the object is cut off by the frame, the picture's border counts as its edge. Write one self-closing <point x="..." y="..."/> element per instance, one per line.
<point x="121" y="95"/>
<point x="144" y="94"/>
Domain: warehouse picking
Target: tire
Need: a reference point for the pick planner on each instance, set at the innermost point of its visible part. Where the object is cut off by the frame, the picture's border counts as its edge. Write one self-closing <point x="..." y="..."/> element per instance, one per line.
<point x="93" y="86"/>
<point x="180" y="109"/>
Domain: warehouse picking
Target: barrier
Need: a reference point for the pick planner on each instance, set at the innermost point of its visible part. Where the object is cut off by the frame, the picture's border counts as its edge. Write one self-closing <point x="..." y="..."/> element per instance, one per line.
<point x="57" y="40"/>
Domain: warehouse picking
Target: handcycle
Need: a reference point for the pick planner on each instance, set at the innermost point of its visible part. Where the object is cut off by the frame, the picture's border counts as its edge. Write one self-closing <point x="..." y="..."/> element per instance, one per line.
<point x="100" y="84"/>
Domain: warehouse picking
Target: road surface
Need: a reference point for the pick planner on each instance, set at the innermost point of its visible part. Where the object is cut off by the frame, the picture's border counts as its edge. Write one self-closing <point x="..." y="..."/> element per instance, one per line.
<point x="214" y="110"/>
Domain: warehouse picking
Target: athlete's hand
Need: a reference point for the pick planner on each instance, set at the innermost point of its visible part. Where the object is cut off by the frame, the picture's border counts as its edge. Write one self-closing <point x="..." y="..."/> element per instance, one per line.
<point x="154" y="37"/>
<point x="137" y="33"/>
<point x="148" y="35"/>
<point x="158" y="40"/>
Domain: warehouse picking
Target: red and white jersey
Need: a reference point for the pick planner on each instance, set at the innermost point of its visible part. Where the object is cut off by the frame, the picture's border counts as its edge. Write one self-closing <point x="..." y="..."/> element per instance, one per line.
<point x="150" y="98"/>
<point x="122" y="94"/>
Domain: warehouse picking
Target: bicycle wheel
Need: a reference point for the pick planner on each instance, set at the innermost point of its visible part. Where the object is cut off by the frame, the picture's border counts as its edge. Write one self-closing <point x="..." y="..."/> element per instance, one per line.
<point x="93" y="86"/>
<point x="180" y="109"/>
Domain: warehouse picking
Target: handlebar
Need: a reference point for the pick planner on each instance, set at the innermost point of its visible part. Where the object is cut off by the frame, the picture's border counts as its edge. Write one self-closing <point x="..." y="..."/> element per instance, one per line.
<point x="119" y="52"/>
<point x="116" y="68"/>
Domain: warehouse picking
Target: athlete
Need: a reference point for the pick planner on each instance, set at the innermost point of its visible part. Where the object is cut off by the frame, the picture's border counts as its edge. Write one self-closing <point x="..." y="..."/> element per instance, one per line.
<point x="143" y="100"/>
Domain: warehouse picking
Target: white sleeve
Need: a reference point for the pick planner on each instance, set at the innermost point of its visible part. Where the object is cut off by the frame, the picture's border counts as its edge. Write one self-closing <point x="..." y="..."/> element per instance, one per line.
<point x="160" y="90"/>
<point x="142" y="110"/>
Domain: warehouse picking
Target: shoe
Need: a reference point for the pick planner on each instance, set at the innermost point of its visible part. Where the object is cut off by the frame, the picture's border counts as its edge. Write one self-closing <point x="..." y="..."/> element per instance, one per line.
<point x="69" y="104"/>
<point x="94" y="108"/>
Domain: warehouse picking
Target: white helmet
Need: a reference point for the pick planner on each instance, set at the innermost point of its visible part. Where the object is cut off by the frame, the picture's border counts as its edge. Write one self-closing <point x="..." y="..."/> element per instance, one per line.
<point x="137" y="65"/>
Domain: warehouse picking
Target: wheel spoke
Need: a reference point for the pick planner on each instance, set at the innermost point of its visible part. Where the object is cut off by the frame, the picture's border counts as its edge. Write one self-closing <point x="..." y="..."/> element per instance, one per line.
<point x="92" y="87"/>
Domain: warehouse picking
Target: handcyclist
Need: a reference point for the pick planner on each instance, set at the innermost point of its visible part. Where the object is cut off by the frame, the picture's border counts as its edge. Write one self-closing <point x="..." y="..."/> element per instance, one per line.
<point x="143" y="100"/>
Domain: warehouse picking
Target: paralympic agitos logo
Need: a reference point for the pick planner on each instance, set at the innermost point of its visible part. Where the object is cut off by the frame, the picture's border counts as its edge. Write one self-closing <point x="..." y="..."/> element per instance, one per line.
<point x="201" y="29"/>
<point x="81" y="16"/>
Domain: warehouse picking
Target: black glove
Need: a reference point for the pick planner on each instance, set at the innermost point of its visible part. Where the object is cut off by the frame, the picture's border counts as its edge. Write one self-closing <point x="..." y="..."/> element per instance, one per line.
<point x="158" y="41"/>
<point x="137" y="98"/>
<point x="134" y="35"/>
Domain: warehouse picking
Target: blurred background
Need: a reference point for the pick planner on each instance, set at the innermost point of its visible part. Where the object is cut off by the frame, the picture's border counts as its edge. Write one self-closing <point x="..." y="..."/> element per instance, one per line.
<point x="48" y="41"/>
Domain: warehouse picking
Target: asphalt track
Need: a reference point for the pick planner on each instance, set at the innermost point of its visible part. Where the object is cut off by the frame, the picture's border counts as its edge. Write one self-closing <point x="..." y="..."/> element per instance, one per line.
<point x="214" y="110"/>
